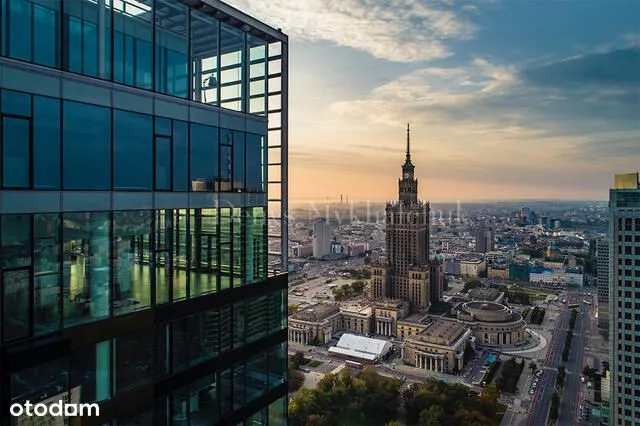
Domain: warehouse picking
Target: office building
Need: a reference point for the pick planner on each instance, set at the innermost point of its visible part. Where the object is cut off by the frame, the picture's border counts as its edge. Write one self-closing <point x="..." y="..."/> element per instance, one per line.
<point x="624" y="280"/>
<point x="138" y="259"/>
<point x="602" y="264"/>
<point x="321" y="238"/>
<point x="484" y="240"/>
<point x="405" y="275"/>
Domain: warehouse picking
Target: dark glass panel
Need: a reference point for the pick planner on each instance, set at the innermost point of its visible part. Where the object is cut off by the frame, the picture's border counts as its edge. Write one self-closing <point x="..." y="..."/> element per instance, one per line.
<point x="87" y="146"/>
<point x="131" y="255"/>
<point x="15" y="241"/>
<point x="204" y="57"/>
<point x="86" y="267"/>
<point x="180" y="410"/>
<point x="16" y="134"/>
<point x="163" y="163"/>
<point x="162" y="264"/>
<point x="163" y="126"/>
<point x="257" y="309"/>
<point x="133" y="41"/>
<point x="277" y="311"/>
<point x="46" y="143"/>
<point x="180" y="343"/>
<point x="204" y="401"/>
<point x="238" y="243"/>
<point x="257" y="381"/>
<point x="239" y="324"/>
<point x="226" y="328"/>
<point x="239" y="386"/>
<point x="45" y="381"/>
<point x="278" y="412"/>
<point x="91" y="372"/>
<point x="16" y="295"/>
<point x="46" y="269"/>
<point x="180" y="156"/>
<point x="172" y="48"/>
<point x="143" y="418"/>
<point x="163" y="349"/>
<point x="133" y="359"/>
<point x="255" y="162"/>
<point x="204" y="155"/>
<point x="132" y="150"/>
<point x="203" y="336"/>
<point x="277" y="365"/>
<point x="225" y="382"/>
<point x="256" y="245"/>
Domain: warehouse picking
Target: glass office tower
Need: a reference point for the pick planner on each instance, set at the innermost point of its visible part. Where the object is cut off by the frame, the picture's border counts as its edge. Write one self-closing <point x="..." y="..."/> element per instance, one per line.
<point x="624" y="299"/>
<point x="142" y="197"/>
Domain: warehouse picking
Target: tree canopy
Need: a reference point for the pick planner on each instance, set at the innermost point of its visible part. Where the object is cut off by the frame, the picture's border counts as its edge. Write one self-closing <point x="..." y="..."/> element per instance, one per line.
<point x="367" y="394"/>
<point x="435" y="402"/>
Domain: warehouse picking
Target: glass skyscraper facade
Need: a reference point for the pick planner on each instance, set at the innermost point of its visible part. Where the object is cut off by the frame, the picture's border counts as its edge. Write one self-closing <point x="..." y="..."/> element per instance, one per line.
<point x="143" y="148"/>
<point x="624" y="300"/>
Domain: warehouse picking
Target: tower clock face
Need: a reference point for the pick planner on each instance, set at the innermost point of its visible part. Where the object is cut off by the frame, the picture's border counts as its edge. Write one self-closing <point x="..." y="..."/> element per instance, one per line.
<point x="406" y="175"/>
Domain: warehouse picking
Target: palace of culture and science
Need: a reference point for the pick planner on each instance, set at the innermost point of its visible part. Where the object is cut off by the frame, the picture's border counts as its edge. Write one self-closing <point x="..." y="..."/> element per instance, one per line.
<point x="407" y="274"/>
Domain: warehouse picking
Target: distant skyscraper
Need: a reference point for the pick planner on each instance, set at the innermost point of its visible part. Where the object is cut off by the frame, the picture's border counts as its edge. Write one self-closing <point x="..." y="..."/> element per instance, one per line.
<point x="624" y="298"/>
<point x="321" y="238"/>
<point x="602" y="259"/>
<point x="484" y="240"/>
<point x="406" y="273"/>
<point x="525" y="215"/>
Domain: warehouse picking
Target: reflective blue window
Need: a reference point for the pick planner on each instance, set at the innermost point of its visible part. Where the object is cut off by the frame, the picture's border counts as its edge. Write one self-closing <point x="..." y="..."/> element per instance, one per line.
<point x="255" y="163"/>
<point x="86" y="146"/>
<point x="132" y="150"/>
<point x="204" y="57"/>
<point x="46" y="143"/>
<point x="238" y="160"/>
<point x="204" y="155"/>
<point x="19" y="29"/>
<point x="163" y="126"/>
<point x="180" y="156"/>
<point x="32" y="31"/>
<point x="15" y="152"/>
<point x="133" y="41"/>
<point x="163" y="163"/>
<point x="172" y="49"/>
<point x="87" y="29"/>
<point x="16" y="103"/>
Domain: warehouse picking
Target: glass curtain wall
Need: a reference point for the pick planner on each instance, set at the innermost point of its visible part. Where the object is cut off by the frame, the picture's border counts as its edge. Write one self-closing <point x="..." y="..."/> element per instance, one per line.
<point x="159" y="45"/>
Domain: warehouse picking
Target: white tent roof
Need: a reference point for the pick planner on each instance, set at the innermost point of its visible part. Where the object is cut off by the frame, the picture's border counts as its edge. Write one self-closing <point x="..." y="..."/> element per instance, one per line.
<point x="361" y="347"/>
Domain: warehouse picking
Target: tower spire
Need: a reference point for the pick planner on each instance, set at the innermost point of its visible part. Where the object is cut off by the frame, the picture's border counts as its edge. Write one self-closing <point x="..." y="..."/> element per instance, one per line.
<point x="408" y="144"/>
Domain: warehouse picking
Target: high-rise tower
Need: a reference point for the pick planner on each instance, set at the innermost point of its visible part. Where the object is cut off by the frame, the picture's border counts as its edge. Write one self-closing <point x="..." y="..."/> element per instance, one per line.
<point x="624" y="280"/>
<point x="143" y="251"/>
<point x="406" y="274"/>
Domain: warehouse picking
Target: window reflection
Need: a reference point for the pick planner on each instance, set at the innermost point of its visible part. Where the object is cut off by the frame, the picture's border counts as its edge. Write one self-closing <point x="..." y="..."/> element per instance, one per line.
<point x="232" y="67"/>
<point x="172" y="48"/>
<point x="204" y="251"/>
<point x="204" y="158"/>
<point x="257" y="309"/>
<point x="204" y="57"/>
<point x="46" y="143"/>
<point x="86" y="165"/>
<point x="277" y="359"/>
<point x="15" y="253"/>
<point x="278" y="412"/>
<point x="255" y="163"/>
<point x="91" y="372"/>
<point x="257" y="377"/>
<point x="132" y="150"/>
<point x="46" y="269"/>
<point x="131" y="244"/>
<point x="86" y="267"/>
<point x="162" y="255"/>
<point x="48" y="381"/>
<point x="203" y="336"/>
<point x="180" y="343"/>
<point x="133" y="43"/>
<point x="133" y="359"/>
<point x="204" y="401"/>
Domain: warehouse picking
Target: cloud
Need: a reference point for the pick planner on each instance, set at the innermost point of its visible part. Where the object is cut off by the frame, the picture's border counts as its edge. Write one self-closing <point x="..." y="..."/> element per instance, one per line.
<point x="395" y="30"/>
<point x="587" y="97"/>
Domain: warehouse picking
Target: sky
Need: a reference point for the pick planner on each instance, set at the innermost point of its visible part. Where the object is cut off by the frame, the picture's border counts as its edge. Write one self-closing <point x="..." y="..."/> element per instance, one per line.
<point x="507" y="99"/>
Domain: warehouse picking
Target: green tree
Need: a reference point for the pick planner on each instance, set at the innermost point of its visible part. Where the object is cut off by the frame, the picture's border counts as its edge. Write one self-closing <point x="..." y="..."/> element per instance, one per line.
<point x="432" y="416"/>
<point x="296" y="379"/>
<point x="533" y="366"/>
<point x="298" y="359"/>
<point x="471" y="284"/>
<point x="292" y="309"/>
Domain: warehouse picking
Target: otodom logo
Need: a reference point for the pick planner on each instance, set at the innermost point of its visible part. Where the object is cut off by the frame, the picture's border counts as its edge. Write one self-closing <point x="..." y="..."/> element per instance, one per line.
<point x="54" y="409"/>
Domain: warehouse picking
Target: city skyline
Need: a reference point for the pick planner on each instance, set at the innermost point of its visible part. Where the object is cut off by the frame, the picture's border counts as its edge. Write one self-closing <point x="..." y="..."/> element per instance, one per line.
<point x="507" y="100"/>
